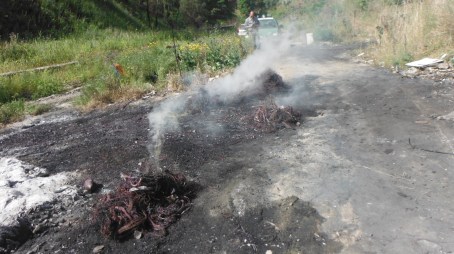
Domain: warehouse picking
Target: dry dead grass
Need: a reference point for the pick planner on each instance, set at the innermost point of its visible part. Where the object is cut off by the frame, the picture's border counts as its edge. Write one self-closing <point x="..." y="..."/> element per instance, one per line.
<point x="110" y="96"/>
<point x="413" y="30"/>
<point x="404" y="32"/>
<point x="174" y="83"/>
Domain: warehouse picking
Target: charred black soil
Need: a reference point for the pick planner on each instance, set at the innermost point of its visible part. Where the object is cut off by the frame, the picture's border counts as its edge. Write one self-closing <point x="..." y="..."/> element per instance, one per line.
<point x="105" y="143"/>
<point x="101" y="142"/>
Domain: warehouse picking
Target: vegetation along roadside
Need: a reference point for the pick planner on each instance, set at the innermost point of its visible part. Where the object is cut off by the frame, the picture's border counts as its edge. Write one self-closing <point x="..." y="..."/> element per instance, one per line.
<point x="123" y="49"/>
<point x="123" y="60"/>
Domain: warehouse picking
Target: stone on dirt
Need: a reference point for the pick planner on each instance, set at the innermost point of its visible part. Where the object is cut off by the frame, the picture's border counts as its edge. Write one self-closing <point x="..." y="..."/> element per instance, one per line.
<point x="98" y="249"/>
<point x="443" y="66"/>
<point x="137" y="234"/>
<point x="91" y="186"/>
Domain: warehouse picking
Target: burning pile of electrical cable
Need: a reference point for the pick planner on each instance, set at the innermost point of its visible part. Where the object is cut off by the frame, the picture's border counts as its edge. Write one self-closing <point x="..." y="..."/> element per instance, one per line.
<point x="267" y="116"/>
<point x="145" y="202"/>
<point x="271" y="117"/>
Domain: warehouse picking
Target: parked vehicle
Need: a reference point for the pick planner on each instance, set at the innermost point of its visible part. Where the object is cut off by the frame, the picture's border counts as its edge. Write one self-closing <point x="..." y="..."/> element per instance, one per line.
<point x="268" y="27"/>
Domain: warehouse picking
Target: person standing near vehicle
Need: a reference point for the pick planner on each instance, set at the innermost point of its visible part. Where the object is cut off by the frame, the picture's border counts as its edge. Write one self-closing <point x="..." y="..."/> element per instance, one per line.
<point x="252" y="24"/>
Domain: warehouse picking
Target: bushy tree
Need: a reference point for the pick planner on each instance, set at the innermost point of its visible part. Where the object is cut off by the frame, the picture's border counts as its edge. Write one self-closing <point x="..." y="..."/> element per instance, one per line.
<point x="194" y="11"/>
<point x="220" y="9"/>
<point x="31" y="17"/>
<point x="190" y="12"/>
<point x="200" y="12"/>
<point x="259" y="6"/>
<point x="245" y="6"/>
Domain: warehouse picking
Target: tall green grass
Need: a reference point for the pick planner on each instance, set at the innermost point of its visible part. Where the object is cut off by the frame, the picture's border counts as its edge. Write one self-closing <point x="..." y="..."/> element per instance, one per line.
<point x="16" y="110"/>
<point x="12" y="111"/>
<point x="148" y="58"/>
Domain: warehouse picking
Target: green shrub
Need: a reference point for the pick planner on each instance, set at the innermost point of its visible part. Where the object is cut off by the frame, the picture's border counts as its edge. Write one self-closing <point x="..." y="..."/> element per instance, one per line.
<point x="194" y="55"/>
<point x="13" y="52"/>
<point x="29" y="86"/>
<point x="216" y="52"/>
<point x="12" y="111"/>
<point x="324" y="34"/>
<point x="225" y="52"/>
<point x="44" y="88"/>
<point x="14" y="88"/>
<point x="363" y="4"/>
<point x="39" y="109"/>
<point x="394" y="2"/>
<point x="402" y="58"/>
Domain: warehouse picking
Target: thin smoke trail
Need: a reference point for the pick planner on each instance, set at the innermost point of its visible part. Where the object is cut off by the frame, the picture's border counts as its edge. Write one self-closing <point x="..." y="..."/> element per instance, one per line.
<point x="164" y="118"/>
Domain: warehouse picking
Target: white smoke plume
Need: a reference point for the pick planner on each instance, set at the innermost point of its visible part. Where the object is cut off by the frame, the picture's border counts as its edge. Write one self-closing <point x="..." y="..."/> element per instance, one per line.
<point x="164" y="118"/>
<point x="245" y="75"/>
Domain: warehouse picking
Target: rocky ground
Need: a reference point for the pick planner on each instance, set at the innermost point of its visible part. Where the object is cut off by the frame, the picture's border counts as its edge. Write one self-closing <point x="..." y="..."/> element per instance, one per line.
<point x="367" y="169"/>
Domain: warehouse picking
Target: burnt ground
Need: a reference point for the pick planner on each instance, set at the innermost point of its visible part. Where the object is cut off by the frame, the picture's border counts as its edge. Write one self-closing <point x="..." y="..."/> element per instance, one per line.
<point x="346" y="180"/>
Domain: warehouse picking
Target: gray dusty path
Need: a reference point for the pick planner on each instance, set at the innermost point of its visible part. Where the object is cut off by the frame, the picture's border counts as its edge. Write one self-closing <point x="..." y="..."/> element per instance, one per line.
<point x="354" y="162"/>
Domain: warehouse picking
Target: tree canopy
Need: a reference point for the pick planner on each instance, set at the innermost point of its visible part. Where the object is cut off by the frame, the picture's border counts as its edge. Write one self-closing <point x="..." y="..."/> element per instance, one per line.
<point x="259" y="6"/>
<point x="29" y="18"/>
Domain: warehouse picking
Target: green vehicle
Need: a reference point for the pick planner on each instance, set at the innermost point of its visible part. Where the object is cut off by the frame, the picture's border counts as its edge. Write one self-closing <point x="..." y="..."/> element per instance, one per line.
<point x="268" y="27"/>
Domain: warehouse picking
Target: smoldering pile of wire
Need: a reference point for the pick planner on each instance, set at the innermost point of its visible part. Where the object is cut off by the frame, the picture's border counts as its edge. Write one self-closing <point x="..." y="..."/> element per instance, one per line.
<point x="271" y="117"/>
<point x="272" y="83"/>
<point x="145" y="203"/>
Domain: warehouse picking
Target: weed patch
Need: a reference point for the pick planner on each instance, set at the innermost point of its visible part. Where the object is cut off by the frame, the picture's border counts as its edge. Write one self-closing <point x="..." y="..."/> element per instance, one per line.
<point x="39" y="109"/>
<point x="12" y="111"/>
<point x="213" y="53"/>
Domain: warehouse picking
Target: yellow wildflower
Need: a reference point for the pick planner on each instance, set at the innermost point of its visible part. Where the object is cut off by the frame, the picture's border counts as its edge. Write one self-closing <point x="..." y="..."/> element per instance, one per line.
<point x="153" y="44"/>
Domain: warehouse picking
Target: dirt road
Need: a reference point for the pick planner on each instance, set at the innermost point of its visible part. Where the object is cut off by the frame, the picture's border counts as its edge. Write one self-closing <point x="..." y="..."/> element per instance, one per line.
<point x="368" y="171"/>
<point x="378" y="193"/>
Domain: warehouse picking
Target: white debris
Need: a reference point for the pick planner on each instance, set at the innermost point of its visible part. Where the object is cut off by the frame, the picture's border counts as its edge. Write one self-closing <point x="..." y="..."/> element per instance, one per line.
<point x="24" y="186"/>
<point x="425" y="62"/>
<point x="449" y="116"/>
<point x="309" y="38"/>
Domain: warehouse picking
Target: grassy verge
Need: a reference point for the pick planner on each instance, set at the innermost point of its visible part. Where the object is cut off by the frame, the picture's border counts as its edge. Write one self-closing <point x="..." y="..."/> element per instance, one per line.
<point x="16" y="111"/>
<point x="113" y="65"/>
<point x="12" y="111"/>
